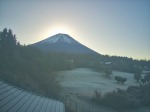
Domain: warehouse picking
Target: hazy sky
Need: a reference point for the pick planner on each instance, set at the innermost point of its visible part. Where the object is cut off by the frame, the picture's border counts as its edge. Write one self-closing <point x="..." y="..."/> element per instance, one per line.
<point x="114" y="27"/>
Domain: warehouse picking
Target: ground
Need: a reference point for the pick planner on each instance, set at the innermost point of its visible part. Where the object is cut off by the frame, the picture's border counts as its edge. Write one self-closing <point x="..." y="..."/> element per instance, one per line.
<point x="79" y="86"/>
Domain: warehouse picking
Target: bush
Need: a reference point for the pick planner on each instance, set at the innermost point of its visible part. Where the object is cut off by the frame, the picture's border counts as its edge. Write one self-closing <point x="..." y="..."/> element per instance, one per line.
<point x="145" y="94"/>
<point x="97" y="94"/>
<point x="133" y="97"/>
<point x="117" y="100"/>
<point x="120" y="79"/>
<point x="108" y="72"/>
<point x="147" y="78"/>
<point x="137" y="74"/>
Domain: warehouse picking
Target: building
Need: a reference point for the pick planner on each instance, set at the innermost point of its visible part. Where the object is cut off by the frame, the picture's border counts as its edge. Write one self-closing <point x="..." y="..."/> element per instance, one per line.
<point x="14" y="99"/>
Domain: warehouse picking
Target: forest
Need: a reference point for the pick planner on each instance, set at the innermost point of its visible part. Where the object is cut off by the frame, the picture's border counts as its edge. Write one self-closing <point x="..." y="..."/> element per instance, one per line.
<point x="29" y="68"/>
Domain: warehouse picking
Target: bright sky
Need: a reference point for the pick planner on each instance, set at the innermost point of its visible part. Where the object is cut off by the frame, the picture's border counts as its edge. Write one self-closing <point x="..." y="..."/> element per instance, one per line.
<point x="114" y="27"/>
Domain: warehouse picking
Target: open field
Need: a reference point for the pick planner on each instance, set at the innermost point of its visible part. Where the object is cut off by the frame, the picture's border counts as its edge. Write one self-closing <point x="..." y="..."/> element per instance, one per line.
<point x="83" y="81"/>
<point x="79" y="86"/>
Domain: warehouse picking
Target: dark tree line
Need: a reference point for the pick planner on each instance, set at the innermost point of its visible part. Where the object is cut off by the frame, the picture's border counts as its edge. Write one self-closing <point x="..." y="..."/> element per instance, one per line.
<point x="27" y="67"/>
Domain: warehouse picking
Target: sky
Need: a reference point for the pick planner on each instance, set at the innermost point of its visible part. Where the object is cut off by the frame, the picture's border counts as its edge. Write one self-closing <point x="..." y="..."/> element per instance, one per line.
<point x="112" y="27"/>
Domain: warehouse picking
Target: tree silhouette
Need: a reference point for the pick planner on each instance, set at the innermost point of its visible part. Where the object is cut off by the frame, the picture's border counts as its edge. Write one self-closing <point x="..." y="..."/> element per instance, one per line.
<point x="137" y="75"/>
<point x="7" y="41"/>
<point x="120" y="79"/>
<point x="108" y="72"/>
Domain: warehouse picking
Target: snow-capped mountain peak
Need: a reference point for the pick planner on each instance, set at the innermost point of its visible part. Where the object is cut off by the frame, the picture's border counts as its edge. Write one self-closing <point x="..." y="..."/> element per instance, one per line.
<point x="62" y="43"/>
<point x="59" y="38"/>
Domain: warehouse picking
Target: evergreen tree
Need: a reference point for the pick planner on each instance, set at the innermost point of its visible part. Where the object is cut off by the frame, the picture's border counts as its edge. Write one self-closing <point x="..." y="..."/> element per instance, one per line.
<point x="8" y="41"/>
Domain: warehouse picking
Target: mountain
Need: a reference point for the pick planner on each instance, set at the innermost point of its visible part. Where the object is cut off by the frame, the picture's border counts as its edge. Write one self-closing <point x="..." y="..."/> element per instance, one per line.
<point x="63" y="43"/>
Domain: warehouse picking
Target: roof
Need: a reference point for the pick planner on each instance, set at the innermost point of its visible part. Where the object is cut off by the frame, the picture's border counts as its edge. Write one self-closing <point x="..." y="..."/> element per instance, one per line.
<point x="13" y="99"/>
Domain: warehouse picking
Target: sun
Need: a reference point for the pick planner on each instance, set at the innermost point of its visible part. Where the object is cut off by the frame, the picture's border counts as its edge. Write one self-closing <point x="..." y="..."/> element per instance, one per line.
<point x="54" y="29"/>
<point x="59" y="29"/>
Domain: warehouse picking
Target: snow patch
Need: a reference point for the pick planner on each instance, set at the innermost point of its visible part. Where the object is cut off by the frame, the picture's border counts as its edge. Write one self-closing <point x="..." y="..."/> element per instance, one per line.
<point x="59" y="38"/>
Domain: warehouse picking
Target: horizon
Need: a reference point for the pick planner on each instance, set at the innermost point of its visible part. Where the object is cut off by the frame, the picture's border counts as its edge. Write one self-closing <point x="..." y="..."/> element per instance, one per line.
<point x="115" y="28"/>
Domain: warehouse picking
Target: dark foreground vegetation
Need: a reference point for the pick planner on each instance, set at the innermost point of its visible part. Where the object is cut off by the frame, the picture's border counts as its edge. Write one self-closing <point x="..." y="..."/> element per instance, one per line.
<point x="133" y="97"/>
<point x="27" y="67"/>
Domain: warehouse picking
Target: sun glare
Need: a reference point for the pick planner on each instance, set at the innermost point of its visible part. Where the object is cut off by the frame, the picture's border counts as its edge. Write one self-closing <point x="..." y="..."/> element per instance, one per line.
<point x="59" y="29"/>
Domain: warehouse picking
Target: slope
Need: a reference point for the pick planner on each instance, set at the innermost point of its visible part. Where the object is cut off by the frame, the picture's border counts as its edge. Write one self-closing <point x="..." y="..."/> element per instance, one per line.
<point x="63" y="43"/>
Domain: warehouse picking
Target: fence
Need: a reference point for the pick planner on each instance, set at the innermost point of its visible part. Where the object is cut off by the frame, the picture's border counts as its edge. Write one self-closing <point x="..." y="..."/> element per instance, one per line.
<point x="73" y="106"/>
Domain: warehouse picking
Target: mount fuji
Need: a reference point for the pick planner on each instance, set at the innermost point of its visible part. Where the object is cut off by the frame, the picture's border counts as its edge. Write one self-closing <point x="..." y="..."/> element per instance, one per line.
<point x="63" y="43"/>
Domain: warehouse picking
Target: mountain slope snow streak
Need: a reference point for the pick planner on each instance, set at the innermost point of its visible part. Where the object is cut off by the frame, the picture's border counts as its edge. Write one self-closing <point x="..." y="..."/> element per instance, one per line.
<point x="59" y="38"/>
<point x="62" y="43"/>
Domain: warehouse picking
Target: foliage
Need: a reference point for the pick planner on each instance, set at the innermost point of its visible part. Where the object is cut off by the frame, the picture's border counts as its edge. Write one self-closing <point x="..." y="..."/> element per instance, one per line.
<point x="120" y="79"/>
<point x="107" y="71"/>
<point x="125" y="64"/>
<point x="137" y="74"/>
<point x="133" y="97"/>
<point x="29" y="68"/>
<point x="146" y="79"/>
<point x="97" y="94"/>
<point x="145" y="97"/>
<point x="116" y="99"/>
<point x="137" y="77"/>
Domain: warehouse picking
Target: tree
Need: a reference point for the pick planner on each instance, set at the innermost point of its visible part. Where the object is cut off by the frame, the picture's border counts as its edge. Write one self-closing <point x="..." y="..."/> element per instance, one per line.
<point x="108" y="72"/>
<point x="137" y="75"/>
<point x="147" y="78"/>
<point x="123" y="80"/>
<point x="8" y="41"/>
<point x="27" y="67"/>
<point x="120" y="79"/>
